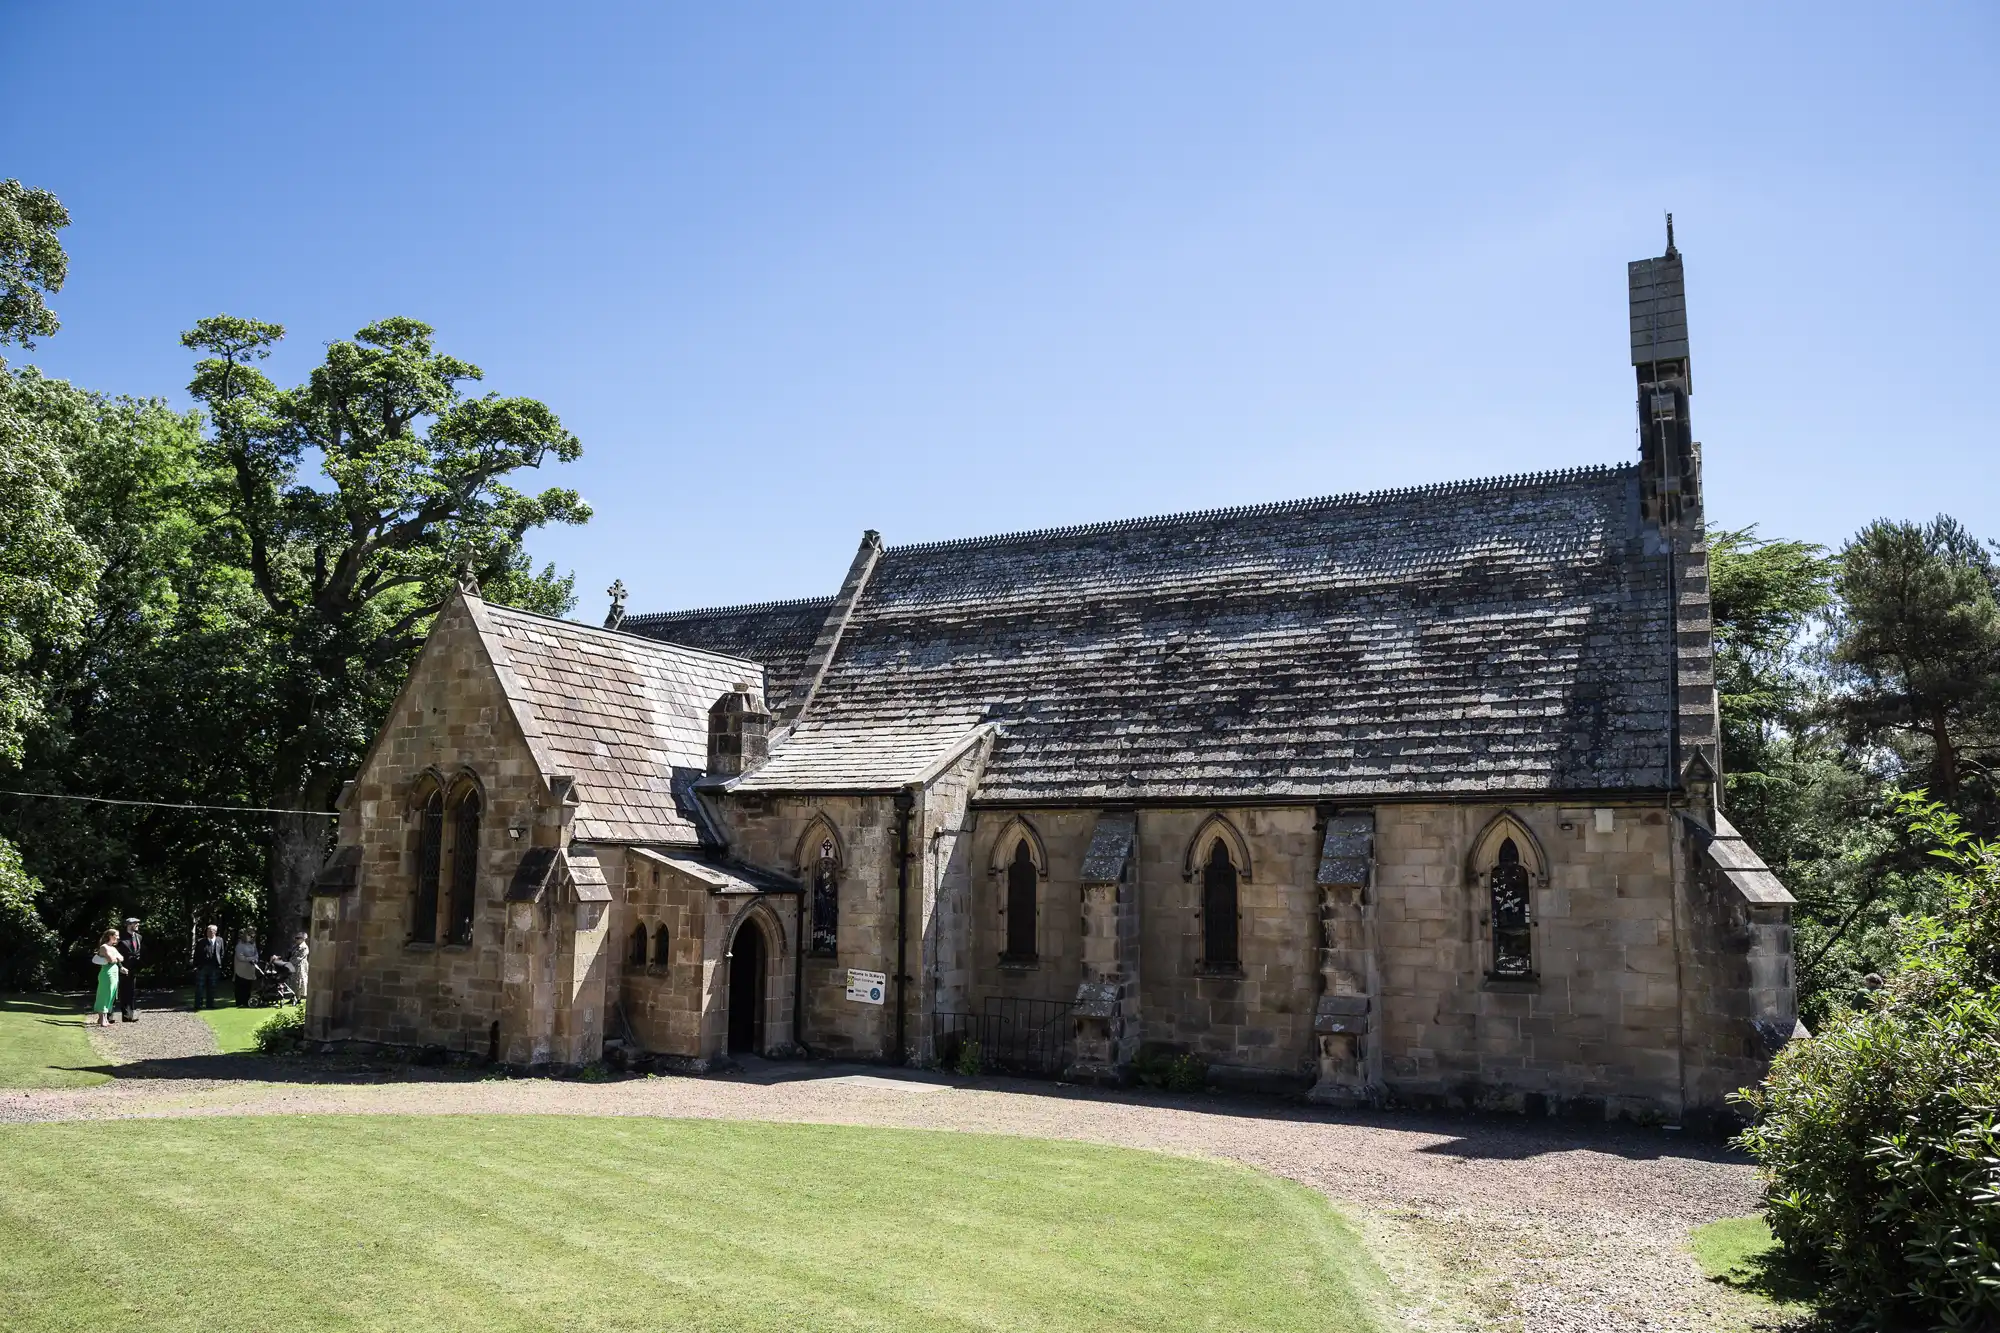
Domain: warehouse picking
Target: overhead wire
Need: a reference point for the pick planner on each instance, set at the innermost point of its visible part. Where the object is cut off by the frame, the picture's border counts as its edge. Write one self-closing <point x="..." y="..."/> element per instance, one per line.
<point x="169" y="805"/>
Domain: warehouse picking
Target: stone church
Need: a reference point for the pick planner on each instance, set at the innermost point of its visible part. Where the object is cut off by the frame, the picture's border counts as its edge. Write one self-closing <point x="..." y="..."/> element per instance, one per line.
<point x="1407" y="796"/>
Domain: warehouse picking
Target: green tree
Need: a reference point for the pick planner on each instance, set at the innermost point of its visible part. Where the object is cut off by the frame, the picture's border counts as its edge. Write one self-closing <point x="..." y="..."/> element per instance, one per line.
<point x="413" y="488"/>
<point x="47" y="569"/>
<point x="155" y="700"/>
<point x="1918" y="642"/>
<point x="1767" y="596"/>
<point x="32" y="263"/>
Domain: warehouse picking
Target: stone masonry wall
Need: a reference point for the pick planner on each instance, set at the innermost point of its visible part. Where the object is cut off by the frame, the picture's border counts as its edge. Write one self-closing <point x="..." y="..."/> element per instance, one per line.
<point x="1599" y="1023"/>
<point x="768" y="831"/>
<point x="450" y="719"/>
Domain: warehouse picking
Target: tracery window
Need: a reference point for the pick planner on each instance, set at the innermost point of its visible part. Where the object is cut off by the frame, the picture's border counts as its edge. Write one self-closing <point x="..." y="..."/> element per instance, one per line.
<point x="1513" y="944"/>
<point x="636" y="954"/>
<point x="430" y="863"/>
<point x="826" y="900"/>
<point x="464" y="867"/>
<point x="660" y="942"/>
<point x="1218" y="907"/>
<point x="1021" y="881"/>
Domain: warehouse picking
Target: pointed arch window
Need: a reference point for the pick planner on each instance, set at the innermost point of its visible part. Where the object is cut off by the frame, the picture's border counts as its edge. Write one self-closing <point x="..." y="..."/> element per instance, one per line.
<point x="430" y="865"/>
<point x="635" y="953"/>
<point x="826" y="900"/>
<point x="1513" y="940"/>
<point x="1218" y="907"/>
<point x="1022" y="879"/>
<point x="660" y="951"/>
<point x="464" y="866"/>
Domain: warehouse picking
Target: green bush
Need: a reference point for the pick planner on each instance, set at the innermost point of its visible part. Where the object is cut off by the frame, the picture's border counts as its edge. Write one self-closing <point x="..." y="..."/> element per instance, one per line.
<point x="969" y="1057"/>
<point x="282" y="1031"/>
<point x="1879" y="1137"/>
<point x="1170" y="1071"/>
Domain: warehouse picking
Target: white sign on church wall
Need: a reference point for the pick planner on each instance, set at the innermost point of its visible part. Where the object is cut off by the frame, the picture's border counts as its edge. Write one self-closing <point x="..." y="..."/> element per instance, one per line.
<point x="867" y="987"/>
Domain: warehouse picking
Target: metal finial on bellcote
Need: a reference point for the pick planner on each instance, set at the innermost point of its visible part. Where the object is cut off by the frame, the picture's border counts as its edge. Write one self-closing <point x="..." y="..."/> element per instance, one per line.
<point x="1671" y="252"/>
<point x="616" y="615"/>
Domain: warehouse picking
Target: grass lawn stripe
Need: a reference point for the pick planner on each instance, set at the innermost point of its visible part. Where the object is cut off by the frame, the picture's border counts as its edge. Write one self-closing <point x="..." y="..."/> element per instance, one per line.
<point x="501" y="1223"/>
<point x="43" y="1043"/>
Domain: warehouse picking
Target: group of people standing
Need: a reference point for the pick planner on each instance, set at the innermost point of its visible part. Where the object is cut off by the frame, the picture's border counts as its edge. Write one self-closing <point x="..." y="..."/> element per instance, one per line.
<point x="117" y="962"/>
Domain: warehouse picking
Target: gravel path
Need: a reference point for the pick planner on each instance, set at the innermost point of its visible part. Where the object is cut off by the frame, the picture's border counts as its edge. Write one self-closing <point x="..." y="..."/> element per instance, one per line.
<point x="1483" y="1223"/>
<point x="159" y="1034"/>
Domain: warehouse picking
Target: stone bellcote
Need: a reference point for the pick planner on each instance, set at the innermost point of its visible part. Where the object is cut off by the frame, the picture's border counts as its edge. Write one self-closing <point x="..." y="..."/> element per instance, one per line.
<point x="1669" y="469"/>
<point x="739" y="730"/>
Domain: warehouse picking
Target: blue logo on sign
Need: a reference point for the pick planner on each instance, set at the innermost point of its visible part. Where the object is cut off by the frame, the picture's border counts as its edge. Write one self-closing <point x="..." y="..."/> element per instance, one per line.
<point x="874" y="992"/>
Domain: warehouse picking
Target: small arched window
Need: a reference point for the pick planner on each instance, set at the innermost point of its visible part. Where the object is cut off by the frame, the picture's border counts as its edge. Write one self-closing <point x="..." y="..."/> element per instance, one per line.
<point x="464" y="866"/>
<point x="1513" y="942"/>
<point x="826" y="900"/>
<point x="661" y="940"/>
<point x="636" y="955"/>
<point x="1218" y="907"/>
<point x="1021" y="881"/>
<point x="430" y="864"/>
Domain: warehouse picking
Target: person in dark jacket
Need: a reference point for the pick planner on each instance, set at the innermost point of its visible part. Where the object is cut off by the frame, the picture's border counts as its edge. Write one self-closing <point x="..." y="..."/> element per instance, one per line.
<point x="128" y="970"/>
<point x="211" y="954"/>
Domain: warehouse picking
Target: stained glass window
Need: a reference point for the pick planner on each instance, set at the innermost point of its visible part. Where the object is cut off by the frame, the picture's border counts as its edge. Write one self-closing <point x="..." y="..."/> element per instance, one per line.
<point x="826" y="901"/>
<point x="1513" y="947"/>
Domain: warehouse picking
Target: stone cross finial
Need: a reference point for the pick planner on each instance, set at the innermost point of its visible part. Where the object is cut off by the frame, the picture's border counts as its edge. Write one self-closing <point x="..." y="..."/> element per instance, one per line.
<point x="468" y="582"/>
<point x="616" y="615"/>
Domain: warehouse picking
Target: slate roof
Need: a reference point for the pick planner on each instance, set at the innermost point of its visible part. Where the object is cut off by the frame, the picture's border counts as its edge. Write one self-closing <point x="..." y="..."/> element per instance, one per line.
<point x="724" y="876"/>
<point x="1508" y="635"/>
<point x="625" y="716"/>
<point x="777" y="634"/>
<point x="878" y="756"/>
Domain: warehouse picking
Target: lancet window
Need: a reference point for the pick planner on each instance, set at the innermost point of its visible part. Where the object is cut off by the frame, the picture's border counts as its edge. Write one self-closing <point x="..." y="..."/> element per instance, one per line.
<point x="1218" y="907"/>
<point x="660" y="951"/>
<point x="635" y="953"/>
<point x="464" y="866"/>
<point x="1022" y="877"/>
<point x="1513" y="942"/>
<point x="430" y="866"/>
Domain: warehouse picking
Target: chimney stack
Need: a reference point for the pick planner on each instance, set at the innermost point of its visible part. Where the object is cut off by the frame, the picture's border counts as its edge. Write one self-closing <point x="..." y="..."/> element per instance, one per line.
<point x="739" y="730"/>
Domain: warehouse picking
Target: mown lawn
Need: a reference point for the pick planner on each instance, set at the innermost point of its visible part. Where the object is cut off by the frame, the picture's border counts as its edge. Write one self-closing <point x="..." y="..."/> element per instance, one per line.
<point x="504" y="1222"/>
<point x="1740" y="1252"/>
<point x="235" y="1029"/>
<point x="42" y="1043"/>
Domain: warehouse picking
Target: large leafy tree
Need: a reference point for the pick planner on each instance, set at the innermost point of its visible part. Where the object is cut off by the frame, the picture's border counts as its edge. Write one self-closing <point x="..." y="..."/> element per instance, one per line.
<point x="32" y="263"/>
<point x="1767" y="596"/>
<point x="413" y="490"/>
<point x="47" y="569"/>
<point x="155" y="700"/>
<point x="1918" y="642"/>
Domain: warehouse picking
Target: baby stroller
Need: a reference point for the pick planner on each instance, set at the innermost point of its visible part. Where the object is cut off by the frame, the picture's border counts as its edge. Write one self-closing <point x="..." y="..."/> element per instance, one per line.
<point x="274" y="982"/>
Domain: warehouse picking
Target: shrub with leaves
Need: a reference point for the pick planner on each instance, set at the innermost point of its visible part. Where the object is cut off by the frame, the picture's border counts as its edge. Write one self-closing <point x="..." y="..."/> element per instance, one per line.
<point x="1879" y="1137"/>
<point x="282" y="1031"/>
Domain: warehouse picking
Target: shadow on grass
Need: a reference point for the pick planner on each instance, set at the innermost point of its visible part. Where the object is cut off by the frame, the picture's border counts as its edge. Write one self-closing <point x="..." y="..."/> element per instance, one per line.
<point x="1775" y="1276"/>
<point x="1740" y="1253"/>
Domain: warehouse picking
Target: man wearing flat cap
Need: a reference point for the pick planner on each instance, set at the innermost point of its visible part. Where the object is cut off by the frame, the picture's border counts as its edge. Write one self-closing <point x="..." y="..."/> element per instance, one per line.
<point x="128" y="969"/>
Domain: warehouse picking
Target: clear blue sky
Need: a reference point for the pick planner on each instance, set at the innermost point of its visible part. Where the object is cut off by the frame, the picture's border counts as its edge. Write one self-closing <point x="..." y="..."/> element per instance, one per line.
<point x="792" y="271"/>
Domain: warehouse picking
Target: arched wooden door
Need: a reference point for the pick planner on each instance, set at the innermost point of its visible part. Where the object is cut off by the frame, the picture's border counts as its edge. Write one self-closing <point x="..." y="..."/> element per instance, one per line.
<point x="746" y="988"/>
